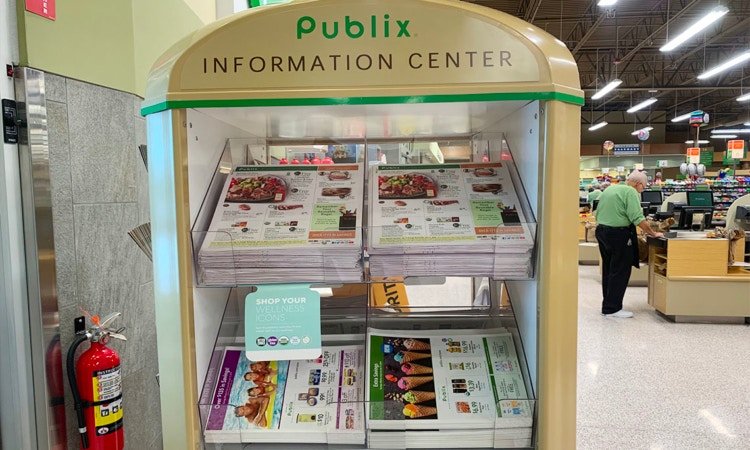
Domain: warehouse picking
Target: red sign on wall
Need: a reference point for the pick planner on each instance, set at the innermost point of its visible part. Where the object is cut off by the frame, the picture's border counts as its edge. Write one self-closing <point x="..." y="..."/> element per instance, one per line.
<point x="45" y="8"/>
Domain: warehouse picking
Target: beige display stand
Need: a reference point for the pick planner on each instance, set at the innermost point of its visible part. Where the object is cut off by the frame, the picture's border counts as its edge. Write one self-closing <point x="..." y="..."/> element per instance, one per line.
<point x="444" y="68"/>
<point x="689" y="279"/>
<point x="588" y="249"/>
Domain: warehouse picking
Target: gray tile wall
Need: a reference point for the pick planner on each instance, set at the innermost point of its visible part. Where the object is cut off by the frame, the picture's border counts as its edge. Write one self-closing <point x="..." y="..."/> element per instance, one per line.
<point x="99" y="193"/>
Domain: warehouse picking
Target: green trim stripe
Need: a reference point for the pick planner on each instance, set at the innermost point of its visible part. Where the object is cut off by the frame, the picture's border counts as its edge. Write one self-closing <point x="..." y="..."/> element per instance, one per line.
<point x="326" y="101"/>
<point x="377" y="370"/>
<point x="425" y="167"/>
<point x="493" y="382"/>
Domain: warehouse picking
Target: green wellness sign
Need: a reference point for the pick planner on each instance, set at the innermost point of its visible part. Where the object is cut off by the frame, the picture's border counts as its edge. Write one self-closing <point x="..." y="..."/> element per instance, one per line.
<point x="354" y="29"/>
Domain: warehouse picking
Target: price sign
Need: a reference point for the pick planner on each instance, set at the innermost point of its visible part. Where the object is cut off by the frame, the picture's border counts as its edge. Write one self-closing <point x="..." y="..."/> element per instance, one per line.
<point x="620" y="169"/>
<point x="737" y="149"/>
<point x="638" y="166"/>
<point x="662" y="163"/>
<point x="694" y="155"/>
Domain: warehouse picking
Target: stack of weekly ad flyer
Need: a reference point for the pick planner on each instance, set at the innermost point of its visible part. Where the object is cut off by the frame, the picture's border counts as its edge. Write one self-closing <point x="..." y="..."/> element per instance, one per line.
<point x="271" y="221"/>
<point x="458" y="219"/>
<point x="446" y="389"/>
<point x="300" y="401"/>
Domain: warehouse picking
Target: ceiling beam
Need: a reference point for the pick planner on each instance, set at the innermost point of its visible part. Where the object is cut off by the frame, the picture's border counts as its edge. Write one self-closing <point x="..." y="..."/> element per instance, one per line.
<point x="673" y="88"/>
<point x="532" y="8"/>
<point x="648" y="39"/>
<point x="588" y="34"/>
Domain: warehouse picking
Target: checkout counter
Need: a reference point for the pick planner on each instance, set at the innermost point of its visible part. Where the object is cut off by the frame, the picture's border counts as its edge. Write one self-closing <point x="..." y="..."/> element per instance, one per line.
<point x="690" y="278"/>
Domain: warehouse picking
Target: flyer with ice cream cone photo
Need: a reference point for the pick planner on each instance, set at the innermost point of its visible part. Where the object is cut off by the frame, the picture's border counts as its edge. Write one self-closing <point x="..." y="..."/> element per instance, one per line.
<point x="466" y="378"/>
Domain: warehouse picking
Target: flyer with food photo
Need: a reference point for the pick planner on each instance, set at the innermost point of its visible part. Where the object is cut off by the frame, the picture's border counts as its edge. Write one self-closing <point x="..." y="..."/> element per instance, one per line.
<point x="424" y="379"/>
<point x="450" y="203"/>
<point x="272" y="206"/>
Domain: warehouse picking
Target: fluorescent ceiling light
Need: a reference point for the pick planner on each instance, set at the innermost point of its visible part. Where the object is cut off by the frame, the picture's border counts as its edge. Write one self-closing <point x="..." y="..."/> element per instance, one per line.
<point x="714" y="15"/>
<point x="606" y="89"/>
<point x="743" y="98"/>
<point x="742" y="57"/>
<point x="601" y="124"/>
<point x="700" y="142"/>
<point x="731" y="130"/>
<point x="642" y="129"/>
<point x="642" y="105"/>
<point x="747" y="124"/>
<point x="606" y="2"/>
<point x="723" y="136"/>
<point x="682" y="117"/>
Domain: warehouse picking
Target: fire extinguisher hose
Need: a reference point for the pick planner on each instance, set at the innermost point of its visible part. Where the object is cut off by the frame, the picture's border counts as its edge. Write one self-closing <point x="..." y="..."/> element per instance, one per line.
<point x="74" y="389"/>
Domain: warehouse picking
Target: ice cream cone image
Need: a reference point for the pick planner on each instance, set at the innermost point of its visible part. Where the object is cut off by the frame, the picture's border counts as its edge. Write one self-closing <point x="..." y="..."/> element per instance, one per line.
<point x="417" y="411"/>
<point x="407" y="356"/>
<point x="418" y="396"/>
<point x="413" y="344"/>
<point x="415" y="369"/>
<point x="412" y="382"/>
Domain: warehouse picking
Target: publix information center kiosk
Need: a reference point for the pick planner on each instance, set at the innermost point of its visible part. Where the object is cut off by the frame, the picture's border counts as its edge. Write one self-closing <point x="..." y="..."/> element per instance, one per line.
<point x="438" y="85"/>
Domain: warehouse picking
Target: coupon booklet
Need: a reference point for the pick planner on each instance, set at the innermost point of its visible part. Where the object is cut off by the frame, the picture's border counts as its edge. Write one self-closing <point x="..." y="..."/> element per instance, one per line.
<point x="314" y="401"/>
<point x="445" y="379"/>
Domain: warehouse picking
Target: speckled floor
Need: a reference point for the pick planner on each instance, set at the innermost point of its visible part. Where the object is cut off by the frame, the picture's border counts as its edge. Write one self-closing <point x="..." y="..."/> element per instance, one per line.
<point x="647" y="383"/>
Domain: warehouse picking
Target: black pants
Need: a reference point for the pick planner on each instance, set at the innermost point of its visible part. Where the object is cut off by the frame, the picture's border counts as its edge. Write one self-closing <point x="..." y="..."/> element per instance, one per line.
<point x="615" y="247"/>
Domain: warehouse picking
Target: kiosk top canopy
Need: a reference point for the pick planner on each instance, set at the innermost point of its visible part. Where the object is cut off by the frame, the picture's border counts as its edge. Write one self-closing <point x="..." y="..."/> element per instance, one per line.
<point x="328" y="52"/>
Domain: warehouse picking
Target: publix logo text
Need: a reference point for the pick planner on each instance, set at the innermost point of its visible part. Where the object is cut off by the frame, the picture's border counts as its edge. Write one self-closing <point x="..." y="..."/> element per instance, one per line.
<point x="377" y="27"/>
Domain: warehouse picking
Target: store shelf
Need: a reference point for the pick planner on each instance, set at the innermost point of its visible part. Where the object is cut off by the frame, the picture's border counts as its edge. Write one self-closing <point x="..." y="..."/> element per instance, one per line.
<point x="345" y="320"/>
<point x="506" y="252"/>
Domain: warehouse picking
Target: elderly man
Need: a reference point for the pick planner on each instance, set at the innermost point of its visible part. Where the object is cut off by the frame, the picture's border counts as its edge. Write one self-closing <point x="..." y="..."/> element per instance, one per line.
<point x="618" y="214"/>
<point x="594" y="192"/>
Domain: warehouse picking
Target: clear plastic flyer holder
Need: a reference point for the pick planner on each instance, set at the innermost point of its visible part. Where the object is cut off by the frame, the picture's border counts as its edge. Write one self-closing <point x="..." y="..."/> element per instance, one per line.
<point x="222" y="259"/>
<point x="359" y="424"/>
<point x="420" y="423"/>
<point x="431" y="296"/>
<point x="343" y="315"/>
<point x="407" y="249"/>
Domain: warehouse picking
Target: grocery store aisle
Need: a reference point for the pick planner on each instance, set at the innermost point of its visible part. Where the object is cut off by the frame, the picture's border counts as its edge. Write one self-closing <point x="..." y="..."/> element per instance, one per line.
<point x="647" y="383"/>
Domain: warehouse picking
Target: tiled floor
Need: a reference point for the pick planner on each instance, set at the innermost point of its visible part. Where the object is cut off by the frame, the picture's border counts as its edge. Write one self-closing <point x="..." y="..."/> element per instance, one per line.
<point x="647" y="383"/>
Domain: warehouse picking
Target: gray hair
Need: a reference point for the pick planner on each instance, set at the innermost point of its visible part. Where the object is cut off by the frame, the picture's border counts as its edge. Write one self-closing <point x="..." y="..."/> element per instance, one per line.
<point x="638" y="177"/>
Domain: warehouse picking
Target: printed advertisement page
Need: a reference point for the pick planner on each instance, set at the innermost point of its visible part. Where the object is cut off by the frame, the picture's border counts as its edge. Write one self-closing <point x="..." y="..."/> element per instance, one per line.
<point x="289" y="401"/>
<point x="277" y="206"/>
<point x="444" y="378"/>
<point x="447" y="203"/>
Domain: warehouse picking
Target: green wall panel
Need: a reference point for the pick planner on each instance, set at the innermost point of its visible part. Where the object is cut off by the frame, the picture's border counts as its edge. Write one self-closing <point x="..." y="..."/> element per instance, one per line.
<point x="109" y="43"/>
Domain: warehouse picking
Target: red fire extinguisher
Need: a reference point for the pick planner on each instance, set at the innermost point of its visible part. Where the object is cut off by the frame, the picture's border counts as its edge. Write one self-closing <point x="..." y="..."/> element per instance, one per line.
<point x="96" y="383"/>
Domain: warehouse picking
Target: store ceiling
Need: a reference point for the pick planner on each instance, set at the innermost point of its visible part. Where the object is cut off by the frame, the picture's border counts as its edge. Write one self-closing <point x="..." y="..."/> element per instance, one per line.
<point x="623" y="42"/>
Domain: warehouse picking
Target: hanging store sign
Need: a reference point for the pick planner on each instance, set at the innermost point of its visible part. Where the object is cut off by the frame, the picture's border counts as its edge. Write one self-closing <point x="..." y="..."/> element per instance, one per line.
<point x="706" y="157"/>
<point x="44" y="8"/>
<point x="736" y="149"/>
<point x="698" y="118"/>
<point x="354" y="44"/>
<point x="627" y="149"/>
<point x="694" y="155"/>
<point x="662" y="163"/>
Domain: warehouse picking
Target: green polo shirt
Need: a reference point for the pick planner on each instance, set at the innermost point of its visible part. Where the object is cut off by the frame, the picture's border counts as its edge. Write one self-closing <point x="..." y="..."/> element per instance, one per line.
<point x="619" y="206"/>
<point x="593" y="195"/>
